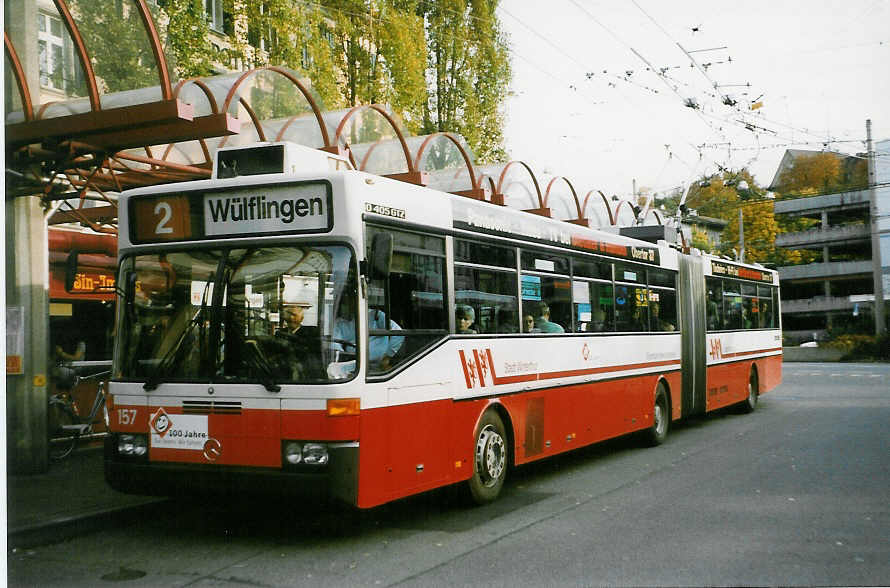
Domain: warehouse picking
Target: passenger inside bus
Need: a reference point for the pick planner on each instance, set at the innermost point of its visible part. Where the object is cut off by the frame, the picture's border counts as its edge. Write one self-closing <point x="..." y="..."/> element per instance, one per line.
<point x="303" y="342"/>
<point x="597" y="321"/>
<point x="657" y="323"/>
<point x="381" y="348"/>
<point x="465" y="316"/>
<point x="528" y="324"/>
<point x="542" y="322"/>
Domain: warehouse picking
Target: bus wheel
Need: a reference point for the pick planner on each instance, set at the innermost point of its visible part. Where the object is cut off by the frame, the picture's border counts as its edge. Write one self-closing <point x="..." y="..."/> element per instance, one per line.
<point x="750" y="403"/>
<point x="490" y="459"/>
<point x="661" y="418"/>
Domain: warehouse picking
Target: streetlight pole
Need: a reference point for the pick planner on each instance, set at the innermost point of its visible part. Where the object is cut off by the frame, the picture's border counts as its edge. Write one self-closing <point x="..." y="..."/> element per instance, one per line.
<point x="880" y="321"/>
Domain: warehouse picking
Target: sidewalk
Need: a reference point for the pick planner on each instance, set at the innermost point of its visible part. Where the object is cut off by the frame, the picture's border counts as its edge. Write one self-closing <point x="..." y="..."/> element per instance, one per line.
<point x="70" y="499"/>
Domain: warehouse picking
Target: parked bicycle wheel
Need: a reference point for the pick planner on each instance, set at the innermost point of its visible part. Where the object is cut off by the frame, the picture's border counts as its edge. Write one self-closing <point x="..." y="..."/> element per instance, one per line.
<point x="61" y="439"/>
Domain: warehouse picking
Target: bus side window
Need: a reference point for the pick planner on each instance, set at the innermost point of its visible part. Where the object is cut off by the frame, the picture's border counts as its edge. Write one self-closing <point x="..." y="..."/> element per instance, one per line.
<point x="765" y="300"/>
<point x="416" y="300"/>
<point x="715" y="304"/>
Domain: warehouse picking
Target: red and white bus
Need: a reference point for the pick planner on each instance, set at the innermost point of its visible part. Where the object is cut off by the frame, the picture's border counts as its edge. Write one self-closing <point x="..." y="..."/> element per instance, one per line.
<point x="304" y="327"/>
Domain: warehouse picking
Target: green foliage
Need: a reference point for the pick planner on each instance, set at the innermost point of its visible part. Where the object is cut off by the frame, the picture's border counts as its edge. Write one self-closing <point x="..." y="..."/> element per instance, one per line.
<point x="187" y="38"/>
<point x="862" y="346"/>
<point x="468" y="73"/>
<point x="119" y="50"/>
<point x="701" y="241"/>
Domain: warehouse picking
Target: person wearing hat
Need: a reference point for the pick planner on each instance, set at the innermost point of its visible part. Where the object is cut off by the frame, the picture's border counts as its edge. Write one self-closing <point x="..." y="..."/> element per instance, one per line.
<point x="304" y="342"/>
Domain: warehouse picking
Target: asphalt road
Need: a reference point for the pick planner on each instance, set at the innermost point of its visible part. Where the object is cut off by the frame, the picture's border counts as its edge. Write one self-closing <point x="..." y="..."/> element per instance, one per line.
<point x="797" y="493"/>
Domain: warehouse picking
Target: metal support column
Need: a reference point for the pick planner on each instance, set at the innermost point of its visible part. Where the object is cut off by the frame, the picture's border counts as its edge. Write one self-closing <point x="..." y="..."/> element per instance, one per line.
<point x="27" y="300"/>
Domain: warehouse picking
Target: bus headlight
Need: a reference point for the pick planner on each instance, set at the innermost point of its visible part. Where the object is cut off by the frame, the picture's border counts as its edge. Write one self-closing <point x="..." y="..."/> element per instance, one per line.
<point x="315" y="454"/>
<point x="132" y="445"/>
<point x="293" y="452"/>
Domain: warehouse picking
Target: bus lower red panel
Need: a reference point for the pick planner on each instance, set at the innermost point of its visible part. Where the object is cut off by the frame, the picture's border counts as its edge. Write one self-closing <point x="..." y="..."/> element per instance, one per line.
<point x="415" y="447"/>
<point x="728" y="382"/>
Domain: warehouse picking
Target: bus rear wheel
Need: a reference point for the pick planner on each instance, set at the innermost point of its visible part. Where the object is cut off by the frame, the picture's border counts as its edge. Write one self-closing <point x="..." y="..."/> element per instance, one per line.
<point x="489" y="460"/>
<point x="750" y="403"/>
<point x="661" y="418"/>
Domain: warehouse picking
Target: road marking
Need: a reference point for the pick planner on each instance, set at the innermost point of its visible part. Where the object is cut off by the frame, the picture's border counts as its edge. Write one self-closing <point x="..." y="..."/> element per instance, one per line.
<point x="837" y="375"/>
<point x="856" y="375"/>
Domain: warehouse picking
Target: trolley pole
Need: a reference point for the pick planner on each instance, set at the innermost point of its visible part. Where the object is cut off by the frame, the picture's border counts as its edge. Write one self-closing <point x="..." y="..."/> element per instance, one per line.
<point x="877" y="270"/>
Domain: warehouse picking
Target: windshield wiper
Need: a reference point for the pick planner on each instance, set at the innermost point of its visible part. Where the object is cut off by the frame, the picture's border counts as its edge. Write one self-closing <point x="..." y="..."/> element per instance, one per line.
<point x="258" y="361"/>
<point x="173" y="355"/>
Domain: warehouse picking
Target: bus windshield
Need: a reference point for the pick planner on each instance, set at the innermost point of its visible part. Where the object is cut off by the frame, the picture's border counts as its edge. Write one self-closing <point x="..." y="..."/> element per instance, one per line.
<point x="267" y="315"/>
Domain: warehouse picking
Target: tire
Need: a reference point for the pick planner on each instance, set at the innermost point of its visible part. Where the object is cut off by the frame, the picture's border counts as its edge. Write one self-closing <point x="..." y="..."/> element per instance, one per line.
<point x="661" y="418"/>
<point x="490" y="459"/>
<point x="61" y="442"/>
<point x="748" y="405"/>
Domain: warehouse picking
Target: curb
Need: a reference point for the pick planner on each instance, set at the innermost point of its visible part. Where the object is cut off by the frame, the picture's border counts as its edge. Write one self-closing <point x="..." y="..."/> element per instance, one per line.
<point x="64" y="528"/>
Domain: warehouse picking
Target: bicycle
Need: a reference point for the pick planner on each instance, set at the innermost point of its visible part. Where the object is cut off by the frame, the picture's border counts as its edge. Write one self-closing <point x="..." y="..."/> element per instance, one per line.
<point x="64" y="423"/>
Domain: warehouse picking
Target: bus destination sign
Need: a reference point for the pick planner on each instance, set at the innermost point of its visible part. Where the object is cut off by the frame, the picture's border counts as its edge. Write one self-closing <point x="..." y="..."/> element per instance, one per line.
<point x="255" y="210"/>
<point x="719" y="268"/>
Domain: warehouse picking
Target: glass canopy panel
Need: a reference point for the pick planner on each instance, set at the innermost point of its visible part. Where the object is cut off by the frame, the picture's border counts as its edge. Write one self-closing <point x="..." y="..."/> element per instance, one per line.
<point x="385" y="156"/>
<point x="121" y="52"/>
<point x="597" y="212"/>
<point x="561" y="201"/>
<point x="624" y="214"/>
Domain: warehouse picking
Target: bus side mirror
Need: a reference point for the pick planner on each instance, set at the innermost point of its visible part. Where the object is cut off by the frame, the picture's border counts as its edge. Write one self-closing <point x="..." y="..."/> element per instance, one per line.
<point x="71" y="270"/>
<point x="381" y="256"/>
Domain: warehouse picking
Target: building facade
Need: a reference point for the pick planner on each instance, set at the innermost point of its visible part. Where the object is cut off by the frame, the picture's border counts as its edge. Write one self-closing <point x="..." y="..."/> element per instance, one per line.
<point x="835" y="293"/>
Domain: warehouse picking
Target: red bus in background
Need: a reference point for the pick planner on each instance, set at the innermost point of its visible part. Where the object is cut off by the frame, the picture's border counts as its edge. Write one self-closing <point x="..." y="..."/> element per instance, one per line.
<point x="82" y="314"/>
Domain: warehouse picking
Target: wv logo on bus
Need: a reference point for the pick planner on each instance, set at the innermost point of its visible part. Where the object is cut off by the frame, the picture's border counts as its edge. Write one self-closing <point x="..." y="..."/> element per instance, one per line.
<point x="716" y="349"/>
<point x="477" y="367"/>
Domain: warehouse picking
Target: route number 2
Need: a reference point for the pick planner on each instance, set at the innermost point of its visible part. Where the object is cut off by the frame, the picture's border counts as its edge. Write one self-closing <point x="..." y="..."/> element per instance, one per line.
<point x="162" y="218"/>
<point x="165" y="211"/>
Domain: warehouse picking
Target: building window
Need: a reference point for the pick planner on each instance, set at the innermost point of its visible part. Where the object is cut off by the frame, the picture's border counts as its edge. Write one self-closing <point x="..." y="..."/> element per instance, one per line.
<point x="51" y="51"/>
<point x="214" y="11"/>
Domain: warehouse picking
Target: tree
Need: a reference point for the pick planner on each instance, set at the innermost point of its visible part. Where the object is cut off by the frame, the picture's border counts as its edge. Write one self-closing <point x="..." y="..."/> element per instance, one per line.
<point x="819" y="173"/>
<point x="468" y="73"/>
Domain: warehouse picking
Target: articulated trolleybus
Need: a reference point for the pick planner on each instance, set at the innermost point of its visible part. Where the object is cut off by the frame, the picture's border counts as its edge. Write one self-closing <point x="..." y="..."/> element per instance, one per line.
<point x="293" y="324"/>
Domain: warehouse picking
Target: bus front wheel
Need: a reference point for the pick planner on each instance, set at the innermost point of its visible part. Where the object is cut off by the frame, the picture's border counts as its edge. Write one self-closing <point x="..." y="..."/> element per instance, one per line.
<point x="489" y="459"/>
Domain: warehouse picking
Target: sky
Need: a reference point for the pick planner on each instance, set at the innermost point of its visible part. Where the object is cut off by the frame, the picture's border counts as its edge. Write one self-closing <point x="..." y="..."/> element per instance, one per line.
<point x="599" y="86"/>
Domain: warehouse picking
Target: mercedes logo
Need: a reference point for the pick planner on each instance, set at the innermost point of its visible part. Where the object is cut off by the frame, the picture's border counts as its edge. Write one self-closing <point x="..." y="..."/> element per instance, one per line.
<point x="212" y="450"/>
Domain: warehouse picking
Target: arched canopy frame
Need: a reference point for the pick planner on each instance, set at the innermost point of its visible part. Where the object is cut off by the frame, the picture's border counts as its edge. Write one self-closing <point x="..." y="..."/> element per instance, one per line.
<point x="293" y="79"/>
<point x="338" y="136"/>
<point x="605" y="201"/>
<point x="502" y="177"/>
<point x="418" y="157"/>
<point x="19" y="73"/>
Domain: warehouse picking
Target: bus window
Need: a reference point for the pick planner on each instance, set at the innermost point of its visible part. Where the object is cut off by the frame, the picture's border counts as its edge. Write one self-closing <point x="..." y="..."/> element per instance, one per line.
<point x="484" y="254"/>
<point x="542" y="262"/>
<point x="732" y="305"/>
<point x="587" y="268"/>
<point x="765" y="302"/>
<point x="631" y="308"/>
<point x="662" y="310"/>
<point x="549" y="302"/>
<point x="594" y="309"/>
<point x="625" y="272"/>
<point x="412" y="299"/>
<point x="750" y="311"/>
<point x="715" y="304"/>
<point x="491" y="294"/>
<point x="662" y="278"/>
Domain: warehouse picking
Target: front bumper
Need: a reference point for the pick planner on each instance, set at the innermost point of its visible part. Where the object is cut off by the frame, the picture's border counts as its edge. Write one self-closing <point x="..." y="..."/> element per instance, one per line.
<point x="338" y="480"/>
